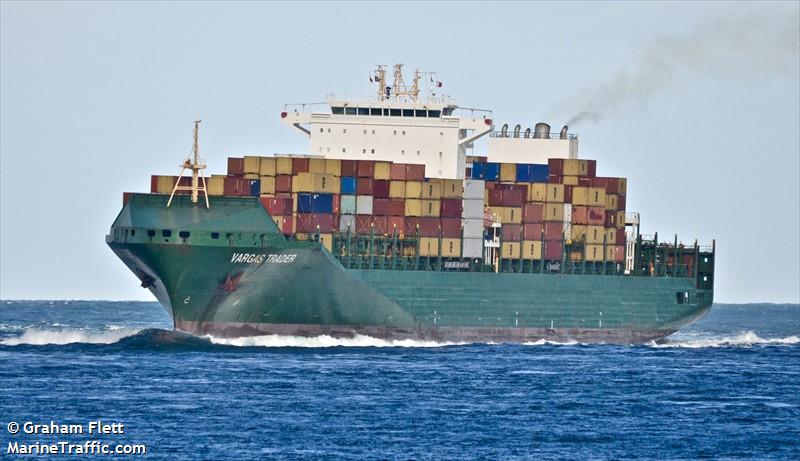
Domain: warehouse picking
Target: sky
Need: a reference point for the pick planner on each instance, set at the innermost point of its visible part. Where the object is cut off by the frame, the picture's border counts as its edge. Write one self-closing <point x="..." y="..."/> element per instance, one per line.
<point x="698" y="104"/>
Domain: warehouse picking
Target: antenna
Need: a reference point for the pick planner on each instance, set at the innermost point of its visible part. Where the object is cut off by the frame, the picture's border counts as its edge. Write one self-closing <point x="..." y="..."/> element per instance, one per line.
<point x="195" y="164"/>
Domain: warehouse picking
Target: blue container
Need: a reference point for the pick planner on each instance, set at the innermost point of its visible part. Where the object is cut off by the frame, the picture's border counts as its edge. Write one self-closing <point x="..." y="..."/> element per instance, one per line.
<point x="523" y="172"/>
<point x="492" y="172"/>
<point x="348" y="185"/>
<point x="305" y="202"/>
<point x="255" y="187"/>
<point x="539" y="173"/>
<point x="322" y="203"/>
<point x="478" y="170"/>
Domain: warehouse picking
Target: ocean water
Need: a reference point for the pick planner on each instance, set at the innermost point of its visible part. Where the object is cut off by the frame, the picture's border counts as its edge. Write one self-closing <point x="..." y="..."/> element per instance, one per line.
<point x="728" y="387"/>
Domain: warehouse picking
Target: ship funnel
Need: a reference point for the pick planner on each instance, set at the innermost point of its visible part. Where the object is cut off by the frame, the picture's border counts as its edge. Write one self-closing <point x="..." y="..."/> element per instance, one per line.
<point x="541" y="131"/>
<point x="516" y="130"/>
<point x="504" y="130"/>
<point x="563" y="134"/>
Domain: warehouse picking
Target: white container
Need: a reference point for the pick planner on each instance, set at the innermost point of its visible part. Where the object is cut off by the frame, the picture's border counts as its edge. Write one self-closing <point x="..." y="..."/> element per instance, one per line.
<point x="473" y="188"/>
<point x="347" y="204"/>
<point x="472" y="208"/>
<point x="473" y="228"/>
<point x="346" y="220"/>
<point x="472" y="248"/>
<point x="364" y="204"/>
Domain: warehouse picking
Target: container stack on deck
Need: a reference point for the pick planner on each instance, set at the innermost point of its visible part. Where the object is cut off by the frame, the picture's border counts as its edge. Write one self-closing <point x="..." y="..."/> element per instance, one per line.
<point x="542" y="211"/>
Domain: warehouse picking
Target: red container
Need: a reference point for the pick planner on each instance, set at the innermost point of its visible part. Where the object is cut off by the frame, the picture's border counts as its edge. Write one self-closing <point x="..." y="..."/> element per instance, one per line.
<point x="596" y="216"/>
<point x="429" y="227"/>
<point x="380" y="207"/>
<point x="490" y="185"/>
<point x="349" y="168"/>
<point x="411" y="225"/>
<point x="533" y="231"/>
<point x="611" y="219"/>
<point x="621" y="202"/>
<point x="153" y="184"/>
<point x="568" y="194"/>
<point x="283" y="183"/>
<point x="415" y="172"/>
<point x="396" y="224"/>
<point x="612" y="185"/>
<point x="591" y="168"/>
<point x="580" y="214"/>
<point x="553" y="231"/>
<point x="451" y="228"/>
<point x="451" y="208"/>
<point x="336" y="203"/>
<point x="380" y="188"/>
<point x="621" y="237"/>
<point x="512" y="232"/>
<point x="584" y="181"/>
<point x="381" y="225"/>
<point x="600" y="182"/>
<point x="364" y="186"/>
<point x="532" y="213"/>
<point x="126" y="197"/>
<point x="366" y="168"/>
<point x="235" y="185"/>
<point x="277" y="206"/>
<point x="556" y="166"/>
<point x="506" y="197"/>
<point x="235" y="166"/>
<point x="555" y="178"/>
<point x="397" y="172"/>
<point x="552" y="250"/>
<point x="287" y="225"/>
<point x="299" y="165"/>
<point x="363" y="224"/>
<point x="312" y="223"/>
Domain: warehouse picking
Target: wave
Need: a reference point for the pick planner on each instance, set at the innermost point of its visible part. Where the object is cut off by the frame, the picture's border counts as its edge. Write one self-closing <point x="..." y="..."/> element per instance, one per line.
<point x="747" y="338"/>
<point x="62" y="336"/>
<point x="324" y="341"/>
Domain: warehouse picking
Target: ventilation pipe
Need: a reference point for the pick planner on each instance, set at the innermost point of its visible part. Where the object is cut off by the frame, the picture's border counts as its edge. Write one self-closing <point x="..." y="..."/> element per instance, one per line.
<point x="504" y="131"/>
<point x="516" y="130"/>
<point x="563" y="134"/>
<point x="527" y="132"/>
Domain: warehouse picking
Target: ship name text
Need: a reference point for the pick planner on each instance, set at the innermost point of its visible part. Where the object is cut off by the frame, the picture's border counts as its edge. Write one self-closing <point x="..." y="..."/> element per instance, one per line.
<point x="253" y="258"/>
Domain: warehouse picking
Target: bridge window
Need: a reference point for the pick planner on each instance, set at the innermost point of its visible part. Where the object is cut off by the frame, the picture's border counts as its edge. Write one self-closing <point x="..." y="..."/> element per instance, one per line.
<point x="151" y="233"/>
<point x="215" y="235"/>
<point x="363" y="111"/>
<point x="184" y="234"/>
<point x="394" y="112"/>
<point x="421" y="113"/>
<point x="133" y="232"/>
<point x="337" y="110"/>
<point x="447" y="111"/>
<point x="408" y="112"/>
<point x="434" y="113"/>
<point x="350" y="110"/>
<point x="166" y="233"/>
<point x="682" y="297"/>
<point x="374" y="111"/>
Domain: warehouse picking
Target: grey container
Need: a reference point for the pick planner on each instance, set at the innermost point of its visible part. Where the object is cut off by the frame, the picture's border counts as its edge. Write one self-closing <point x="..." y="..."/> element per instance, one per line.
<point x="364" y="204"/>
<point x="472" y="208"/>
<point x="473" y="188"/>
<point x="472" y="248"/>
<point x="347" y="204"/>
<point x="347" y="221"/>
<point x="473" y="228"/>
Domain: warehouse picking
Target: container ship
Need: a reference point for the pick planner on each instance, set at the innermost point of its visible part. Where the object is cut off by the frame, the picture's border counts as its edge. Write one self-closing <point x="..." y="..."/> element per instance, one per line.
<point x="391" y="226"/>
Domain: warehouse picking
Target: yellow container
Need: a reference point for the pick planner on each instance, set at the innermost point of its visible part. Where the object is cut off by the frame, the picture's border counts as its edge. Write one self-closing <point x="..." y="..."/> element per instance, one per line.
<point x="611" y="251"/>
<point x="430" y="208"/>
<point x="508" y="172"/>
<point x="164" y="184"/>
<point x="580" y="196"/>
<point x="451" y="248"/>
<point x="623" y="185"/>
<point x="216" y="185"/>
<point x="620" y="221"/>
<point x="382" y="170"/>
<point x="327" y="241"/>
<point x="497" y="213"/>
<point x="397" y="189"/>
<point x="611" y="202"/>
<point x="537" y="192"/>
<point x="576" y="256"/>
<point x="595" y="234"/>
<point x="575" y="167"/>
<point x="531" y="249"/>
<point x="611" y="236"/>
<point x="555" y="193"/>
<point x="333" y="166"/>
<point x="569" y="180"/>
<point x="267" y="184"/>
<point x="511" y="215"/>
<point x="577" y="233"/>
<point x="252" y="165"/>
<point x="283" y="165"/>
<point x="553" y="212"/>
<point x="431" y="189"/>
<point x="594" y="253"/>
<point x="413" y="189"/>
<point x="429" y="246"/>
<point x="596" y="196"/>
<point x="316" y="165"/>
<point x="251" y="176"/>
<point x="452" y="188"/>
<point x="267" y="167"/>
<point x="413" y="207"/>
<point x="326" y="183"/>
<point x="510" y="250"/>
<point x="303" y="182"/>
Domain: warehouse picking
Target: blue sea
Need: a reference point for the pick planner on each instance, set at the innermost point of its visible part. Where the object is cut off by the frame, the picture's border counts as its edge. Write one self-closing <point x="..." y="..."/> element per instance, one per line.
<point x="728" y="387"/>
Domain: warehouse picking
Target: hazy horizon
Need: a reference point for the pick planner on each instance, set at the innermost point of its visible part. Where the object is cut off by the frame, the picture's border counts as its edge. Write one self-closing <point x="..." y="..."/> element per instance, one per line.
<point x="697" y="104"/>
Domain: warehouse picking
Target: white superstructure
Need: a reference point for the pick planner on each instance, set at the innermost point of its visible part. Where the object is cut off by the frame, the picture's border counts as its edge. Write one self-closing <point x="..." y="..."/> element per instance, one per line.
<point x="397" y="125"/>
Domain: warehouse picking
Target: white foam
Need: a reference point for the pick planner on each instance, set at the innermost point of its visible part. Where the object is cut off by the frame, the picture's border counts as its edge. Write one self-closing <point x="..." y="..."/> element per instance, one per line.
<point x="747" y="338"/>
<point x="40" y="337"/>
<point x="544" y="342"/>
<point x="323" y="341"/>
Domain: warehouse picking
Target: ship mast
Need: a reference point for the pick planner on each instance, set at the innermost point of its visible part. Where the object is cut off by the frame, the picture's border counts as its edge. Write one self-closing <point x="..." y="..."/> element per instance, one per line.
<point x="193" y="163"/>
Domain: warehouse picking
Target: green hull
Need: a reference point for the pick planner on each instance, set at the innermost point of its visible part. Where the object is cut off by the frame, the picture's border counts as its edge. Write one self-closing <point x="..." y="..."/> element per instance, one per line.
<point x="250" y="280"/>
